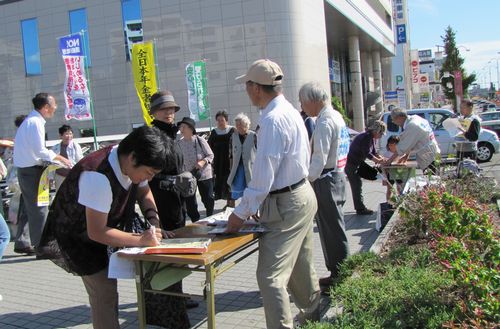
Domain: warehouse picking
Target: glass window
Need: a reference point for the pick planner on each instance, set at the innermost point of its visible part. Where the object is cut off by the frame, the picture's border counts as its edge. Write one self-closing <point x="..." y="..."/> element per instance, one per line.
<point x="31" y="48"/>
<point x="436" y="120"/>
<point x="132" y="24"/>
<point x="77" y="23"/>
<point x="391" y="126"/>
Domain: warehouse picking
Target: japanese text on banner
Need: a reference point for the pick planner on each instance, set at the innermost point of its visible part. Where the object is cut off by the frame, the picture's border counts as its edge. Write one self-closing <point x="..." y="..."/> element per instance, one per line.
<point x="76" y="90"/>
<point x="196" y="79"/>
<point x="143" y="68"/>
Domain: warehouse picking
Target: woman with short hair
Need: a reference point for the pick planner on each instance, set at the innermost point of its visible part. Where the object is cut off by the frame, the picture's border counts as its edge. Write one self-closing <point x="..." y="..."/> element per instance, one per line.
<point x="69" y="149"/>
<point x="242" y="156"/>
<point x="361" y="148"/>
<point x="198" y="157"/>
<point x="219" y="143"/>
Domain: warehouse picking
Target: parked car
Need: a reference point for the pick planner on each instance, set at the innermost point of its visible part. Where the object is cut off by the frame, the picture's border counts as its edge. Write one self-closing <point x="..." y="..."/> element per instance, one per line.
<point x="491" y="120"/>
<point x="488" y="142"/>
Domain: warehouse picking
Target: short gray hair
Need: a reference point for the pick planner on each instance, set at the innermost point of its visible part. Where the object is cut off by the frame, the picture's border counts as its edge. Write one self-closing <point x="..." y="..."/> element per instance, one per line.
<point x="244" y="119"/>
<point x="398" y="113"/>
<point x="377" y="127"/>
<point x="313" y="92"/>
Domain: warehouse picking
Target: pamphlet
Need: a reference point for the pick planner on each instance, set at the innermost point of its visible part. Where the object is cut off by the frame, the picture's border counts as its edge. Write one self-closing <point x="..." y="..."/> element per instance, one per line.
<point x="452" y="126"/>
<point x="180" y="246"/>
<point x="246" y="228"/>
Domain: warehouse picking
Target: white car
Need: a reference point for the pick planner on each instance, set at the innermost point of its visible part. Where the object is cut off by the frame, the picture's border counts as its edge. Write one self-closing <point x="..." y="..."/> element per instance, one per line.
<point x="488" y="142"/>
<point x="491" y="121"/>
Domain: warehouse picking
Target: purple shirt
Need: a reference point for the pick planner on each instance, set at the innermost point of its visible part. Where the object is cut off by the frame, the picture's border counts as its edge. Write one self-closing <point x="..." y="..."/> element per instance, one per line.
<point x="362" y="147"/>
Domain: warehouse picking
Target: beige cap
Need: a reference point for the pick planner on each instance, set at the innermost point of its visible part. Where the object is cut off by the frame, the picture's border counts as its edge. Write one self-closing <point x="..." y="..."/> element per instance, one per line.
<point x="264" y="72"/>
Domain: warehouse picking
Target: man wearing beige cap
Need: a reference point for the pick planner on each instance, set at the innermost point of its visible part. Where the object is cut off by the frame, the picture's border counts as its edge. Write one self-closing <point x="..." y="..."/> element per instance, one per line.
<point x="287" y="203"/>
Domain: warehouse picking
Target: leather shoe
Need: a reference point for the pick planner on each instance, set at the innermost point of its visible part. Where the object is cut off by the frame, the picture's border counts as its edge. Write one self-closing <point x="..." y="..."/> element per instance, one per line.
<point x="190" y="303"/>
<point x="326" y="281"/>
<point x="29" y="251"/>
<point x="302" y="318"/>
<point x="365" y="211"/>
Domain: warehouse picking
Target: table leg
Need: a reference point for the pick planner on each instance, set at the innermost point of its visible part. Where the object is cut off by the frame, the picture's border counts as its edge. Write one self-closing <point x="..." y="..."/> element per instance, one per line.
<point x="210" y="279"/>
<point x="141" y="304"/>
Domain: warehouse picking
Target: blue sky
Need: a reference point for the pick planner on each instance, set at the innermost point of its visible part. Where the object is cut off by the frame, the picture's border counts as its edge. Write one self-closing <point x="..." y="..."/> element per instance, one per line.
<point x="476" y="24"/>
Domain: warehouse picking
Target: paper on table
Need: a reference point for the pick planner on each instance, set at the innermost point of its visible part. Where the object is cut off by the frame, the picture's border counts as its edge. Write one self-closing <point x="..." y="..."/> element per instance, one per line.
<point x="121" y="268"/>
<point x="452" y="126"/>
<point x="247" y="228"/>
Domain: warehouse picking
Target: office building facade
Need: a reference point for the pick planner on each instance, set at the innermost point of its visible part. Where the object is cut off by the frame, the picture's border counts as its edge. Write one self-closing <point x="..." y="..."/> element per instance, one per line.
<point x="340" y="43"/>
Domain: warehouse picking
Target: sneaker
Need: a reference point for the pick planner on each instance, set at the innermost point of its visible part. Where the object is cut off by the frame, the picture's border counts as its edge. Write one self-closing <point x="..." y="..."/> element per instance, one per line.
<point x="364" y="212"/>
<point x="29" y="251"/>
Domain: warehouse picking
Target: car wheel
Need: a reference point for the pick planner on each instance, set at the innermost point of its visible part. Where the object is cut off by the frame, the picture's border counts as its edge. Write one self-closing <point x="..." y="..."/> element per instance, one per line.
<point x="484" y="152"/>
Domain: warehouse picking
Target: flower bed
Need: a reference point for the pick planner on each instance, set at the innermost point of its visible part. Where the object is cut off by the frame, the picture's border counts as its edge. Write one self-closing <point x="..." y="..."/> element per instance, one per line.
<point x="439" y="267"/>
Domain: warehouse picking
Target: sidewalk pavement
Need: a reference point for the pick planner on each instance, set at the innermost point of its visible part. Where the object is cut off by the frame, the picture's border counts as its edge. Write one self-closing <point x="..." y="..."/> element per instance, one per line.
<point x="38" y="294"/>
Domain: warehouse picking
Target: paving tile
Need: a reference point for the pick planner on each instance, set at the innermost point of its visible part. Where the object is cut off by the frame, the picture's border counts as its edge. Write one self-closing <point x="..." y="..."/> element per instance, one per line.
<point x="38" y="294"/>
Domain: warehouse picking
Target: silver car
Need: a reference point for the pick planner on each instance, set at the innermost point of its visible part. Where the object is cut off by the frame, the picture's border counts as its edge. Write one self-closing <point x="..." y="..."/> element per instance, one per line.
<point x="488" y="142"/>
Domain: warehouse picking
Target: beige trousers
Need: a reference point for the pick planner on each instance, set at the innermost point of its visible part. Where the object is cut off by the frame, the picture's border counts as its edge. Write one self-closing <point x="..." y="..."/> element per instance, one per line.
<point x="286" y="257"/>
<point x="103" y="298"/>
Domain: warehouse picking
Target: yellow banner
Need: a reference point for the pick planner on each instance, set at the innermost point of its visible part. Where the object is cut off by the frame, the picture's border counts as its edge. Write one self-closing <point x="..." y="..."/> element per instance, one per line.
<point x="43" y="198"/>
<point x="143" y="68"/>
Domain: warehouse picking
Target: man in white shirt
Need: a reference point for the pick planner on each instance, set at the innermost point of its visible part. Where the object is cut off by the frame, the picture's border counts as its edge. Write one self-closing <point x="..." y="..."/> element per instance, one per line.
<point x="330" y="145"/>
<point x="417" y="137"/>
<point x="286" y="200"/>
<point x="30" y="154"/>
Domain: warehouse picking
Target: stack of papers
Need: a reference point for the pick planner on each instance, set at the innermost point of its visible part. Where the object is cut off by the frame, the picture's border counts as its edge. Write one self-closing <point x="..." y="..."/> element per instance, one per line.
<point x="246" y="228"/>
<point x="180" y="246"/>
<point x="219" y="221"/>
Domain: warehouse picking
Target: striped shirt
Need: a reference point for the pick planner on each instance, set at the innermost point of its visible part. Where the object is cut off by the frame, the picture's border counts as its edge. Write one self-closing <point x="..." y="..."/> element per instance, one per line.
<point x="282" y="157"/>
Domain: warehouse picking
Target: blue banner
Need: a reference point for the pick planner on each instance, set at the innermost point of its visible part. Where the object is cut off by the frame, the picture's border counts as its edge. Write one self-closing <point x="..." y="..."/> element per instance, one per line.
<point x="71" y="45"/>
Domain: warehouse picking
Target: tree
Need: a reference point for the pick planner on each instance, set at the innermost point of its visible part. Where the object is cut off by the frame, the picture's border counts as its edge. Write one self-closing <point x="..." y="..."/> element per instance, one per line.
<point x="453" y="62"/>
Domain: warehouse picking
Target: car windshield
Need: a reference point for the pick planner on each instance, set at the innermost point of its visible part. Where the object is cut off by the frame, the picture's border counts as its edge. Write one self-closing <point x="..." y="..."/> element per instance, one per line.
<point x="490" y="116"/>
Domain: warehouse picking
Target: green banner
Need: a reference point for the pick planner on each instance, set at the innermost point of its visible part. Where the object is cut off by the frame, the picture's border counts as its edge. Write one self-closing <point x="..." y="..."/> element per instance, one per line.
<point x="196" y="79"/>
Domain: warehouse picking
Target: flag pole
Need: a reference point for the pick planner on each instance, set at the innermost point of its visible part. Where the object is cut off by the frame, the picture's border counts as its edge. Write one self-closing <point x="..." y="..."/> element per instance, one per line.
<point x="92" y="113"/>
<point x="156" y="66"/>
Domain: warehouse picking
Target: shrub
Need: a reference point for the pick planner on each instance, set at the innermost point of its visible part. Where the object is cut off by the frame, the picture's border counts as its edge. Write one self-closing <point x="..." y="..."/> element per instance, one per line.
<point x="400" y="290"/>
<point x="463" y="238"/>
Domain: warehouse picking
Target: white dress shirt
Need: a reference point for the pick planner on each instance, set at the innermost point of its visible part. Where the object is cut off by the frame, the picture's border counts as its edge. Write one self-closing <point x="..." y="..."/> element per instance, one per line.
<point x="29" y="145"/>
<point x="418" y="137"/>
<point x="330" y="143"/>
<point x="282" y="157"/>
<point x="95" y="189"/>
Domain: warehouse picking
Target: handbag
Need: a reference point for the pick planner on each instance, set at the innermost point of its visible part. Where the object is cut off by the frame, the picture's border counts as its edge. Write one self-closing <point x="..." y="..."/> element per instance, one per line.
<point x="185" y="183"/>
<point x="366" y="171"/>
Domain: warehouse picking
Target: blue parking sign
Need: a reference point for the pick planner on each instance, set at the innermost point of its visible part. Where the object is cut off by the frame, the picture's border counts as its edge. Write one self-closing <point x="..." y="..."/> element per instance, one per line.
<point x="401" y="33"/>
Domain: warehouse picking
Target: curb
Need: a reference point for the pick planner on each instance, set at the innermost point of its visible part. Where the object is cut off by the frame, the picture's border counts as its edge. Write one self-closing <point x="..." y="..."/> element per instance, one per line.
<point x="382" y="238"/>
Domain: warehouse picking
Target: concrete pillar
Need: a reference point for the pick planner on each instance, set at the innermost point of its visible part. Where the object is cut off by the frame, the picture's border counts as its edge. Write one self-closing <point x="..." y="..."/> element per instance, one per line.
<point x="377" y="80"/>
<point x="368" y="72"/>
<point x="356" y="90"/>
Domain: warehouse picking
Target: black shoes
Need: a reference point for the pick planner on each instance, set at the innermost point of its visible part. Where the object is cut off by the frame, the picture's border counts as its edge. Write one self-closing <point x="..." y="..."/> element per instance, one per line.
<point x="190" y="303"/>
<point x="326" y="281"/>
<point x="364" y="212"/>
<point x="28" y="251"/>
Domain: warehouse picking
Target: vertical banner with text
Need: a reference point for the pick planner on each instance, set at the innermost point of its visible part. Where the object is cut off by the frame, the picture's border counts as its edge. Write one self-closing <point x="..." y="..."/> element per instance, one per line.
<point x="415" y="71"/>
<point x="196" y="79"/>
<point x="143" y="68"/>
<point x="76" y="89"/>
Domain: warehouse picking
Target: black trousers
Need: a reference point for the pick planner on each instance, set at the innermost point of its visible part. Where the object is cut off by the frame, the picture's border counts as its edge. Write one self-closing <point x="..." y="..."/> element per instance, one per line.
<point x="356" y="186"/>
<point x="169" y="205"/>
<point x="206" y="189"/>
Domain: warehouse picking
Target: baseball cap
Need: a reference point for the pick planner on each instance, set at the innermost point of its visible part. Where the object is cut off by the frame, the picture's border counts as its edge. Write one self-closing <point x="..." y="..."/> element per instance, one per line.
<point x="264" y="72"/>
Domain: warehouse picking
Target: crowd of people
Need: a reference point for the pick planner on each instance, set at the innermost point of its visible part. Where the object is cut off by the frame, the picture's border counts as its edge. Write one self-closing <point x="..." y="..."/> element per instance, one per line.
<point x="290" y="172"/>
